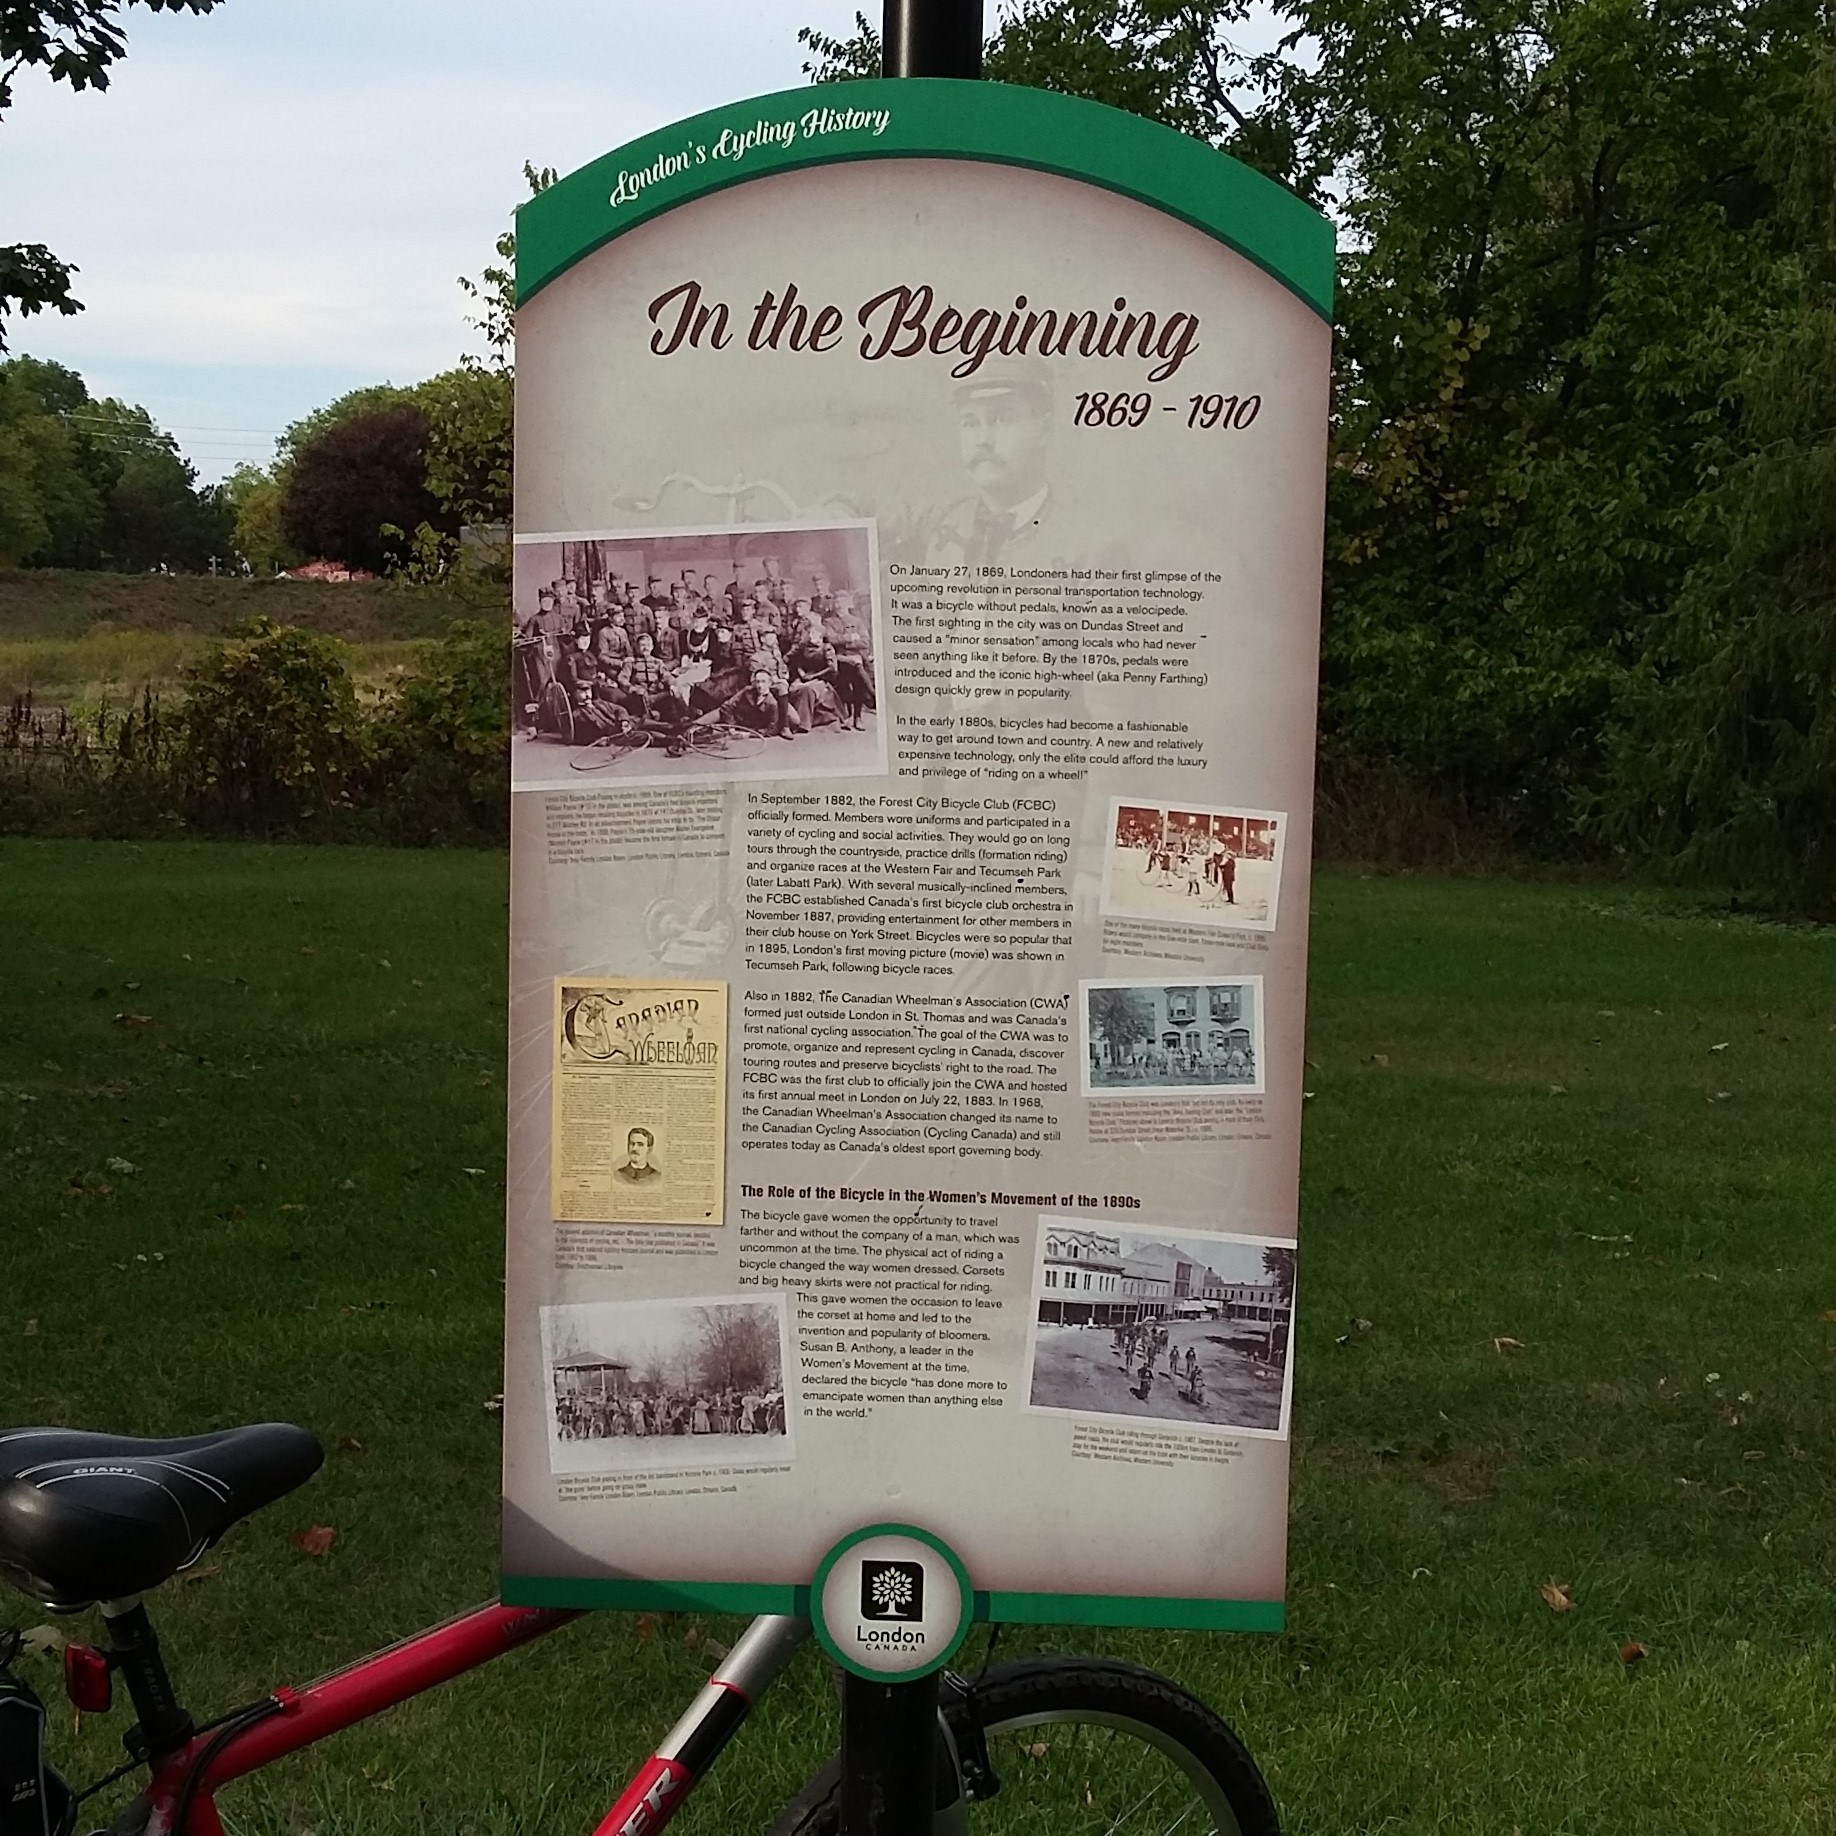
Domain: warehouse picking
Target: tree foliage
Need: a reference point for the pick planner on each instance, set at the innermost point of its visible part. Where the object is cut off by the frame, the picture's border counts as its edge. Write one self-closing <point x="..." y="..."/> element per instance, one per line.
<point x="94" y="483"/>
<point x="1577" y="526"/>
<point x="355" y="475"/>
<point x="270" y="733"/>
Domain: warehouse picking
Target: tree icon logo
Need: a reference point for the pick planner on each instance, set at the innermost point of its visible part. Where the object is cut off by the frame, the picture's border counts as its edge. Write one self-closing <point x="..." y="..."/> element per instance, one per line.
<point x="892" y="1590"/>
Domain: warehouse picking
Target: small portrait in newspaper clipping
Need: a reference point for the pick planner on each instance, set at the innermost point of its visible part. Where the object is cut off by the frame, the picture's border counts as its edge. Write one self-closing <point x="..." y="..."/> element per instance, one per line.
<point x="640" y="1097"/>
<point x="1216" y="868"/>
<point x="1160" y="1327"/>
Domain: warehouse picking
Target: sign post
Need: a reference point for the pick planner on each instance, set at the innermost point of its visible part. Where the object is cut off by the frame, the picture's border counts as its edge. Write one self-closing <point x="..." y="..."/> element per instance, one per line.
<point x="920" y="487"/>
<point x="889" y="1728"/>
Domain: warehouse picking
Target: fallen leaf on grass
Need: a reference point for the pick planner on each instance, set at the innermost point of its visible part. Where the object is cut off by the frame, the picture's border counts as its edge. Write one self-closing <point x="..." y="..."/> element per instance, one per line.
<point x="1829" y="1313"/>
<point x="1381" y="1060"/>
<point x="1038" y="1749"/>
<point x="31" y="1327"/>
<point x="646" y="1627"/>
<point x="1507" y="1345"/>
<point x="202" y="1574"/>
<point x="1558" y="1090"/>
<point x="494" y="1405"/>
<point x="116" y="1164"/>
<point x="1722" y="1047"/>
<point x="713" y="1648"/>
<point x="473" y="1172"/>
<point x="46" y="1641"/>
<point x="313" y="1542"/>
<point x="1631" y="1652"/>
<point x="1556" y="1596"/>
<point x="349" y="1443"/>
<point x="133" y="1020"/>
<point x="692" y="1637"/>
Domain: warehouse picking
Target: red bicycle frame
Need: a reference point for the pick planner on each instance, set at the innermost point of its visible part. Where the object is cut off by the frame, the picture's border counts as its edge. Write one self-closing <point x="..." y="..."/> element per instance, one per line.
<point x="188" y="1781"/>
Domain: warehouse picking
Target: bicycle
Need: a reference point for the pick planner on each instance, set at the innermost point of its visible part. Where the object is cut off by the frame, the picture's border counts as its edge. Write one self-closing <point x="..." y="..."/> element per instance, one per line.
<point x="1044" y="1745"/>
<point x="712" y="739"/>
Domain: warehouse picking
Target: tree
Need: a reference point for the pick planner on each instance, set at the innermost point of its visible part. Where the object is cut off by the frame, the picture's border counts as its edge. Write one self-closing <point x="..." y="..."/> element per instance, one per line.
<point x="51" y="501"/>
<point x="1121" y="1018"/>
<point x="354" y="476"/>
<point x="737" y="1349"/>
<point x="1278" y="1266"/>
<point x="154" y="514"/>
<point x="76" y="42"/>
<point x="253" y="494"/>
<point x="1567" y="243"/>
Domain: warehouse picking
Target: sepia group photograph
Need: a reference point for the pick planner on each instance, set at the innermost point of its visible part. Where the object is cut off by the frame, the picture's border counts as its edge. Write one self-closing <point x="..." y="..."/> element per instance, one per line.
<point x="1181" y="864"/>
<point x="654" y="1385"/>
<point x="1180" y="1326"/>
<point x="748" y="652"/>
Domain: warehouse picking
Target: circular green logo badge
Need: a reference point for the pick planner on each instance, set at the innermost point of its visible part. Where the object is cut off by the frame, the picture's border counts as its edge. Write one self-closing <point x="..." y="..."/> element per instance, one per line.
<point x="891" y="1601"/>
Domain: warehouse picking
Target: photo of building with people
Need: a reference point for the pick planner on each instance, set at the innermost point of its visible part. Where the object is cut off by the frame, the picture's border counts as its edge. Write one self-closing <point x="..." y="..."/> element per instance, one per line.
<point x="1145" y="1036"/>
<point x="1193" y="1327"/>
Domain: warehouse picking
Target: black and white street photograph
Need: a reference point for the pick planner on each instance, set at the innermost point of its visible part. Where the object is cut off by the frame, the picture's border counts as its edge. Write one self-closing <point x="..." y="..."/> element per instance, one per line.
<point x="1152" y="1037"/>
<point x="1187" y="1326"/>
<point x="649" y="1385"/>
<point x="748" y="651"/>
<point x="1217" y="868"/>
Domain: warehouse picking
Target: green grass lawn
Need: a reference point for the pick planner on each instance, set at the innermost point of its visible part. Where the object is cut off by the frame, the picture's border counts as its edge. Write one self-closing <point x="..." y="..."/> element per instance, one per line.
<point x="1568" y="1311"/>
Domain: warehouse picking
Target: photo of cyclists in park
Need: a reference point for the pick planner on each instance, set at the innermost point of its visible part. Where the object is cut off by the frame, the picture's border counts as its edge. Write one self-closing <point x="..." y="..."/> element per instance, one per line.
<point x="743" y="652"/>
<point x="1184" y="1326"/>
<point x="655" y="1384"/>
<point x="1152" y="1038"/>
<point x="1217" y="868"/>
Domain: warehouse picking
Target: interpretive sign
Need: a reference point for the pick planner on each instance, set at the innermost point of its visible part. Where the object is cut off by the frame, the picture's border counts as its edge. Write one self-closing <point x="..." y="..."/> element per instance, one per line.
<point x="919" y="502"/>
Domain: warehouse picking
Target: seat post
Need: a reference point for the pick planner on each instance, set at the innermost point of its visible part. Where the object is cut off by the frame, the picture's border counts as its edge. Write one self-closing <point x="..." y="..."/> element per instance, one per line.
<point x="164" y="1724"/>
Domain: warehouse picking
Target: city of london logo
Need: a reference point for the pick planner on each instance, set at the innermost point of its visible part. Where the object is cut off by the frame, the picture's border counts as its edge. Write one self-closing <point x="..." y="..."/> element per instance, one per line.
<point x="892" y="1590"/>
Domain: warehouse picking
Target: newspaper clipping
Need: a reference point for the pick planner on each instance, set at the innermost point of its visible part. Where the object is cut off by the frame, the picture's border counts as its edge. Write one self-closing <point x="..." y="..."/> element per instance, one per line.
<point x="640" y="1109"/>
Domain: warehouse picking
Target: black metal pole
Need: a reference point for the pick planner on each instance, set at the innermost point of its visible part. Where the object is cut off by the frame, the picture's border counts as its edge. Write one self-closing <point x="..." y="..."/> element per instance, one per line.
<point x="931" y="38"/>
<point x="889" y="1777"/>
<point x="888" y="1757"/>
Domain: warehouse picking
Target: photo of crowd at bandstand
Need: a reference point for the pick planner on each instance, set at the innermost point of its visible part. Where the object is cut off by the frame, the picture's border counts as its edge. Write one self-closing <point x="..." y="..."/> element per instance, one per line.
<point x="628" y="1379"/>
<point x="1142" y="1036"/>
<point x="1210" y="867"/>
<point x="693" y="648"/>
<point x="1188" y="1328"/>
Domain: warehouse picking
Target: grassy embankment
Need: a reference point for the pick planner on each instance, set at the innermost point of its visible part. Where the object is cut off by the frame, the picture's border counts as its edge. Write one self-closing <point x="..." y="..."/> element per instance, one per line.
<point x="1567" y="1296"/>
<point x="77" y="640"/>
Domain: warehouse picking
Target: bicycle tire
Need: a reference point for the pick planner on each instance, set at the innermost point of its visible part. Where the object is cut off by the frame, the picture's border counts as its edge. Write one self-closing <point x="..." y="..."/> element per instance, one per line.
<point x="726" y="742"/>
<point x="608" y="749"/>
<point x="1086" y="1745"/>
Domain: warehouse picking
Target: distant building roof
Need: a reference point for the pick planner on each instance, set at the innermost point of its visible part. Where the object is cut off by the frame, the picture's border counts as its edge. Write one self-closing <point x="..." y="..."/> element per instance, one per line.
<point x="326" y="570"/>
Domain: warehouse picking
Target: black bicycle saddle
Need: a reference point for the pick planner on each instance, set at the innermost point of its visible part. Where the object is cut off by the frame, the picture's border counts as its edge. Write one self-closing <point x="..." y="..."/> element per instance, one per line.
<point x="86" y="1517"/>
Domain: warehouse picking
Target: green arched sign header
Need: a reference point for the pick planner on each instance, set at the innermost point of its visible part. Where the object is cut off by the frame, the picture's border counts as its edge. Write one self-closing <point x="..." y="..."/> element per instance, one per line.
<point x="927" y="118"/>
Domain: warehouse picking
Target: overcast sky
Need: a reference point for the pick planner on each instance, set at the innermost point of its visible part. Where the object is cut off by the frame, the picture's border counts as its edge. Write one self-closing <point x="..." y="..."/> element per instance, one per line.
<point x="270" y="205"/>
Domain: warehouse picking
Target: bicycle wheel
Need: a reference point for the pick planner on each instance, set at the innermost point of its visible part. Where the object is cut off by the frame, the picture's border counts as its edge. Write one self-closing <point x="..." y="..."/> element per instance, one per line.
<point x="726" y="742"/>
<point x="1082" y="1747"/>
<point x="608" y="749"/>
